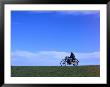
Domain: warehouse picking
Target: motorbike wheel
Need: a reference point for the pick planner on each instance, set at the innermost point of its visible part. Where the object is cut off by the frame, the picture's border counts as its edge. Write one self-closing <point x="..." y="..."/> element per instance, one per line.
<point x="75" y="63"/>
<point x="63" y="63"/>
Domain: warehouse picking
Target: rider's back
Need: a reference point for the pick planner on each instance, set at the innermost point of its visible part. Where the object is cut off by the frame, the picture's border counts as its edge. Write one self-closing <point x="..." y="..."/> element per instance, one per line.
<point x="72" y="56"/>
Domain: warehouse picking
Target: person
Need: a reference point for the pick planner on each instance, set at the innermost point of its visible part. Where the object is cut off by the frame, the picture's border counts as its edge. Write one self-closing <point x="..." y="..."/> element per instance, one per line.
<point x="72" y="56"/>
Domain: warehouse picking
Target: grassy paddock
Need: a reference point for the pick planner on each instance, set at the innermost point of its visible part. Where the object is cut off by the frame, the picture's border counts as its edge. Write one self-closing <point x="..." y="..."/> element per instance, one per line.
<point x="55" y="71"/>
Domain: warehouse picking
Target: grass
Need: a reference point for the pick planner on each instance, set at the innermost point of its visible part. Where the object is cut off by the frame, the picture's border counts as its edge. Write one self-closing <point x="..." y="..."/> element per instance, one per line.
<point x="55" y="71"/>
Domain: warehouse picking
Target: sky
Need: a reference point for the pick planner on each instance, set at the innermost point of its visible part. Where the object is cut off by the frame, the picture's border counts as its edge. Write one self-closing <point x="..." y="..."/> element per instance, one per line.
<point x="44" y="38"/>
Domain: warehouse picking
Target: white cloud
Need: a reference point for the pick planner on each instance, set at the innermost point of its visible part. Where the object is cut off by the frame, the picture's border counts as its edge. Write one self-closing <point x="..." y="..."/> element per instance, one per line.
<point x="39" y="11"/>
<point x="25" y="54"/>
<point x="88" y="55"/>
<point x="79" y="12"/>
<point x="68" y="12"/>
<point x="49" y="57"/>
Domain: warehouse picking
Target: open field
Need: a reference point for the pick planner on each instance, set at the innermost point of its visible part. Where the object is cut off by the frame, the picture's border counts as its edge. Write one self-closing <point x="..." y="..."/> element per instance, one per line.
<point x="55" y="71"/>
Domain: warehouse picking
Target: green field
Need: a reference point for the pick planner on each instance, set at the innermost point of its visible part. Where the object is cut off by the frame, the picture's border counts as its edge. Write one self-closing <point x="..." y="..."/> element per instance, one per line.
<point x="55" y="71"/>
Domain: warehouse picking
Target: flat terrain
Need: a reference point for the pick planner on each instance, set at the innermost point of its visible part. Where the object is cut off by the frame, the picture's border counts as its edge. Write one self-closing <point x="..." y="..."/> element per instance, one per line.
<point x="55" y="71"/>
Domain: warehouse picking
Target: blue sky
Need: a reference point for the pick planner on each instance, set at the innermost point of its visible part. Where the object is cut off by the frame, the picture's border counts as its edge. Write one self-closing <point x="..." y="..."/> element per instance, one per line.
<point x="48" y="36"/>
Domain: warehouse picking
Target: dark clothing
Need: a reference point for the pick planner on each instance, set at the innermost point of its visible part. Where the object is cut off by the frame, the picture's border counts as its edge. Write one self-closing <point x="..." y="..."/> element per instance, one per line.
<point x="72" y="56"/>
<point x="68" y="61"/>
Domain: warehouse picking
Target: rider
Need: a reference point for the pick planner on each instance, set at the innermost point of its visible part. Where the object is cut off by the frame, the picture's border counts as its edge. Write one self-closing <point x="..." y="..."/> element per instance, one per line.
<point x="72" y="56"/>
